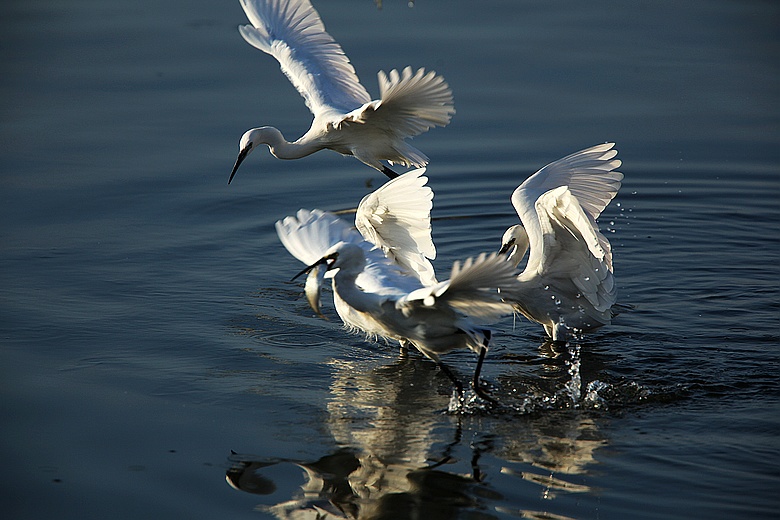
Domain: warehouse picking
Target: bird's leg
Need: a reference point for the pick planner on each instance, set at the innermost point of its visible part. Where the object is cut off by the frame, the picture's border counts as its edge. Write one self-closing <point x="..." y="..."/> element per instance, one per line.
<point x="477" y="388"/>
<point x="404" y="350"/>
<point x="390" y="173"/>
<point x="458" y="384"/>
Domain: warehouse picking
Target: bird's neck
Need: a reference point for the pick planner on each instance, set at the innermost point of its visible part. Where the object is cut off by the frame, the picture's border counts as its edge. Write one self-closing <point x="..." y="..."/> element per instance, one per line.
<point x="344" y="284"/>
<point x="517" y="254"/>
<point x="281" y="148"/>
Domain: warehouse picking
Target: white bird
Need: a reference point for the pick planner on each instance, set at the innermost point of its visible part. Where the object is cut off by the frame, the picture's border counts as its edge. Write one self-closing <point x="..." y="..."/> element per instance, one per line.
<point x="345" y="118"/>
<point x="394" y="224"/>
<point x="568" y="283"/>
<point x="379" y="297"/>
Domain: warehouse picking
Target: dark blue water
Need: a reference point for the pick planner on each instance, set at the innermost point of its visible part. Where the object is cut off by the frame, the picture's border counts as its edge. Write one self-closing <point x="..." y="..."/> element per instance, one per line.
<point x="151" y="344"/>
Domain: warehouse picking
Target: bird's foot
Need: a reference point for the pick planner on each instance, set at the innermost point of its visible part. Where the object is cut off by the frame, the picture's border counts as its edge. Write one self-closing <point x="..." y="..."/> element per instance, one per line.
<point x="483" y="394"/>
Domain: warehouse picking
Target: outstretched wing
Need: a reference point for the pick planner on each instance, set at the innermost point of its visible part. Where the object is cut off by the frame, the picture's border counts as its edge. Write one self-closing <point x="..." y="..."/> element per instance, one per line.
<point x="309" y="234"/>
<point x="397" y="218"/>
<point x="475" y="288"/>
<point x="292" y="32"/>
<point x="409" y="103"/>
<point x="573" y="255"/>
<point x="589" y="175"/>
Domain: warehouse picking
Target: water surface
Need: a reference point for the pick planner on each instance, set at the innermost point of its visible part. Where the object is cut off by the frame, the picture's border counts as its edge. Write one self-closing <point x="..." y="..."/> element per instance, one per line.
<point x="152" y="345"/>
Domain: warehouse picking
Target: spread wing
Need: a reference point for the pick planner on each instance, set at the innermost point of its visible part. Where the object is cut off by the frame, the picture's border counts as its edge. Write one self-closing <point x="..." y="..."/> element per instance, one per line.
<point x="474" y="288"/>
<point x="591" y="178"/>
<point x="292" y="32"/>
<point x="572" y="254"/>
<point x="409" y="103"/>
<point x="397" y="218"/>
<point x="309" y="234"/>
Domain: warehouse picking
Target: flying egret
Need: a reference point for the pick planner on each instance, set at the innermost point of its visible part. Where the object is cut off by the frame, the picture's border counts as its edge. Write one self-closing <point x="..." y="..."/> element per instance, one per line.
<point x="345" y="118"/>
<point x="375" y="295"/>
<point x="568" y="284"/>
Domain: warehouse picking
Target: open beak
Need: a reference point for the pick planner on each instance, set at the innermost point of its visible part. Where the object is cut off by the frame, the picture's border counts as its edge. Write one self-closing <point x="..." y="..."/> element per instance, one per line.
<point x="306" y="269"/>
<point x="241" y="156"/>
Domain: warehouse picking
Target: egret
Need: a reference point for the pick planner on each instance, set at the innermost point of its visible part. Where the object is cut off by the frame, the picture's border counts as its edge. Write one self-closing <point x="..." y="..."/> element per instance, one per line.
<point x="568" y="283"/>
<point x="346" y="119"/>
<point x="378" y="296"/>
<point x="394" y="220"/>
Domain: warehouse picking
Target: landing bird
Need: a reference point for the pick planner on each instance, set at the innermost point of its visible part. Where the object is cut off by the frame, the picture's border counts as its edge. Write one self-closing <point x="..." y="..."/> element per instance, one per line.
<point x="568" y="284"/>
<point x="345" y="118"/>
<point x="376" y="295"/>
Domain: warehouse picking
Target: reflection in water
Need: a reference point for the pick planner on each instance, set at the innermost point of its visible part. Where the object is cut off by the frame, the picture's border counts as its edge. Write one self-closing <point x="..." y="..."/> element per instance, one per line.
<point x="401" y="456"/>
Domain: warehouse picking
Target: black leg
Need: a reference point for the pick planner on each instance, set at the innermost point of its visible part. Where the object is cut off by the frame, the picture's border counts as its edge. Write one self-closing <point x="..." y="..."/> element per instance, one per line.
<point x="458" y="384"/>
<point x="477" y="388"/>
<point x="390" y="173"/>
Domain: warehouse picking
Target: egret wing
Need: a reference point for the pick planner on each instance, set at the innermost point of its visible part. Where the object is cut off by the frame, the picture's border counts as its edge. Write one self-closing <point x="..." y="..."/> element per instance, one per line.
<point x="397" y="218"/>
<point x="292" y="32"/>
<point x="573" y="254"/>
<point x="475" y="288"/>
<point x="409" y="103"/>
<point x="309" y="234"/>
<point x="589" y="175"/>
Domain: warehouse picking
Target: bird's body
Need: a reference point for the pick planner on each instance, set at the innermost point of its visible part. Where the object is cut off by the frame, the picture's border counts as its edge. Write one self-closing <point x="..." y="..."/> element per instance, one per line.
<point x="383" y="284"/>
<point x="346" y="119"/>
<point x="393" y="226"/>
<point x="568" y="283"/>
<point x="435" y="319"/>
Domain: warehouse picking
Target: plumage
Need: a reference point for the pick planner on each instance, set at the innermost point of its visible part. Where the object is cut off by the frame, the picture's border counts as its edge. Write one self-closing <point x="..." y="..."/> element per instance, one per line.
<point x="346" y="119"/>
<point x="568" y="282"/>
<point x="379" y="291"/>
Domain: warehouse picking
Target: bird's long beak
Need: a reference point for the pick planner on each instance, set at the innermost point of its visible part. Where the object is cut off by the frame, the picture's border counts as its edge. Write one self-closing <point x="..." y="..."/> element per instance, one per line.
<point x="241" y="156"/>
<point x="505" y="248"/>
<point x="306" y="270"/>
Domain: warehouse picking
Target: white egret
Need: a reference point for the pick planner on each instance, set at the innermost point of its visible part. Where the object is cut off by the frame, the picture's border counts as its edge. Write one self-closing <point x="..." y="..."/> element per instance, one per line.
<point x="435" y="319"/>
<point x="376" y="295"/>
<point x="568" y="284"/>
<point x="345" y="118"/>
<point x="395" y="220"/>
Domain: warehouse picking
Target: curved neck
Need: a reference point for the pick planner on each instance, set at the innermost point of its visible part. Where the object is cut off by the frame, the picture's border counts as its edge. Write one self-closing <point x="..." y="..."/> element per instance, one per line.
<point x="344" y="285"/>
<point x="518" y="252"/>
<point x="282" y="148"/>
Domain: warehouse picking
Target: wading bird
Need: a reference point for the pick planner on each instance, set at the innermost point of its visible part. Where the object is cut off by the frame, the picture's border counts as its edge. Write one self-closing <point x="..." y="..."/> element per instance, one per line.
<point x="393" y="223"/>
<point x="568" y="284"/>
<point x="375" y="295"/>
<point x="345" y="118"/>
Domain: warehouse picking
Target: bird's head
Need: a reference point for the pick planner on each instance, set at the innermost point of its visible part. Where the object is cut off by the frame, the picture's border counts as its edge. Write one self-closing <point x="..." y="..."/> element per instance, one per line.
<point x="343" y="256"/>
<point x="251" y="140"/>
<point x="515" y="242"/>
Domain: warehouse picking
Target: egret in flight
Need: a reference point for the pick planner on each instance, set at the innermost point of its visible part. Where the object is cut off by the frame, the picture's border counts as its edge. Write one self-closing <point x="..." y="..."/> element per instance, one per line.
<point x="568" y="284"/>
<point x="378" y="296"/>
<point x="346" y="119"/>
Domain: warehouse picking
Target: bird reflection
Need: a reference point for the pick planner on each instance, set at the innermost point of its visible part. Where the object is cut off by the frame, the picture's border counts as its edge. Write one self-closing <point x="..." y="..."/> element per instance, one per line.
<point x="400" y="456"/>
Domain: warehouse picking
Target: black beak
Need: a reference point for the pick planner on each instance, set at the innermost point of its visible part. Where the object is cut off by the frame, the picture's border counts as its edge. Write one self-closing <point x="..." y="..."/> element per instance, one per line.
<point x="241" y="156"/>
<point x="306" y="270"/>
<point x="506" y="247"/>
